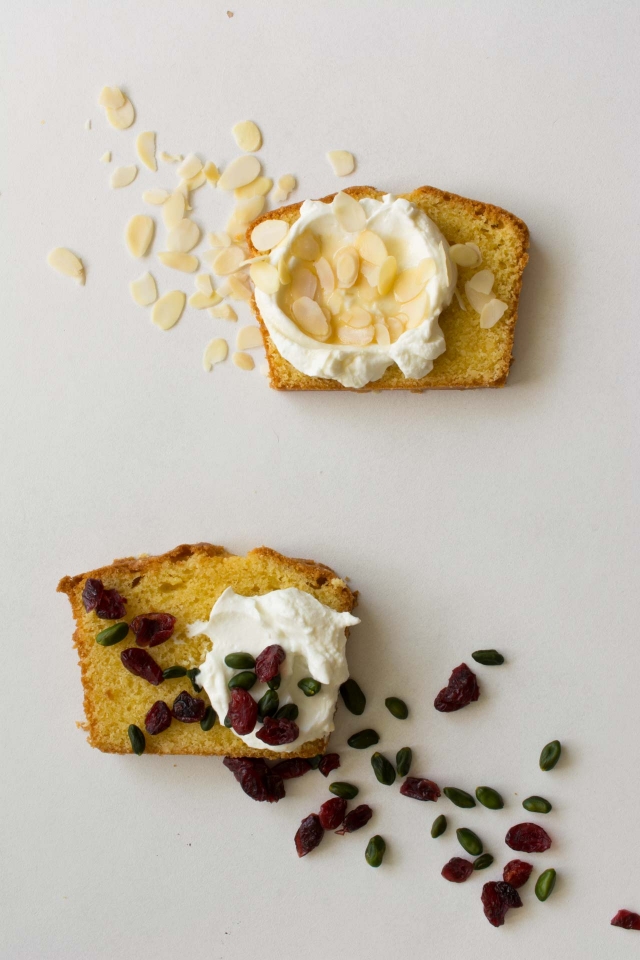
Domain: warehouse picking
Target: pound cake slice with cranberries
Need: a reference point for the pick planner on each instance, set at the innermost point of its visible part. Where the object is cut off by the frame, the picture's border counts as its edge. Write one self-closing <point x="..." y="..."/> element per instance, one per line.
<point x="199" y="651"/>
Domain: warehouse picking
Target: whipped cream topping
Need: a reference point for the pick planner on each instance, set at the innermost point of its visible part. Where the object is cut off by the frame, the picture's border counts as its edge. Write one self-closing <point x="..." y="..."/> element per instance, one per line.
<point x="409" y="236"/>
<point x="313" y="638"/>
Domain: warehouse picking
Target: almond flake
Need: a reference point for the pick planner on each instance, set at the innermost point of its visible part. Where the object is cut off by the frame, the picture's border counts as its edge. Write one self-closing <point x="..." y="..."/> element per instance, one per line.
<point x="463" y="255"/>
<point x="240" y="171"/>
<point x="349" y="213"/>
<point x="370" y="272"/>
<point x="474" y="246"/>
<point x="106" y="157"/>
<point x="184" y="236"/>
<point x="216" y="351"/>
<point x="477" y="300"/>
<point x="342" y="161"/>
<point x="269" y="233"/>
<point x="257" y="188"/>
<point x="491" y="313"/>
<point x="227" y="261"/>
<point x="204" y="284"/>
<point x="287" y="183"/>
<point x="200" y="301"/>
<point x="144" y="290"/>
<point x="279" y="196"/>
<point x="387" y="276"/>
<point x="111" y="97"/>
<point x="168" y="309"/>
<point x="235" y="229"/>
<point x="335" y="303"/>
<point x="139" y="234"/>
<point x="66" y="263"/>
<point x="250" y="260"/>
<point x="211" y="173"/>
<point x="121" y="117"/>
<point x="310" y="317"/>
<point x="460" y="300"/>
<point x="305" y="246"/>
<point x="173" y="210"/>
<point x="356" y="337"/>
<point x="219" y="239"/>
<point x="408" y="284"/>
<point x="244" y="361"/>
<point x="264" y="369"/>
<point x="382" y="334"/>
<point x="284" y="274"/>
<point x="190" y="166"/>
<point x="396" y="326"/>
<point x="415" y="310"/>
<point x="123" y="176"/>
<point x="238" y="288"/>
<point x="248" y="210"/>
<point x="347" y="265"/>
<point x="303" y="284"/>
<point x="366" y="291"/>
<point x="223" y="312"/>
<point x="371" y="247"/>
<point x="146" y="149"/>
<point x="427" y="269"/>
<point x="358" y="317"/>
<point x="157" y="197"/>
<point x="247" y="136"/>
<point x="325" y="276"/>
<point x="482" y="281"/>
<point x="249" y="338"/>
<point x="265" y="277"/>
<point x="195" y="182"/>
<point x="170" y="157"/>
<point x="185" y="262"/>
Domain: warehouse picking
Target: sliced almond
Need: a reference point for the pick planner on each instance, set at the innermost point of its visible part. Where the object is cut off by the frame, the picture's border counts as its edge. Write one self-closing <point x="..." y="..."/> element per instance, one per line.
<point x="123" y="176"/>
<point x="325" y="276"/>
<point x="482" y="281"/>
<point x="227" y="261"/>
<point x="366" y="292"/>
<point x="66" y="263"/>
<point x="264" y="369"/>
<point x="408" y="284"/>
<point x="244" y="361"/>
<point x="185" y="262"/>
<point x="238" y="288"/>
<point x="356" y="337"/>
<point x="265" y="276"/>
<point x="287" y="183"/>
<point x="144" y="290"/>
<point x="223" y="312"/>
<point x="427" y="269"/>
<point x="240" y="171"/>
<point x="349" y="213"/>
<point x="216" y="351"/>
<point x="168" y="309"/>
<point x="211" y="173"/>
<point x="248" y="210"/>
<point x="371" y="247"/>
<point x="305" y="246"/>
<point x="387" y="276"/>
<point x="358" y="317"/>
<point x="395" y="325"/>
<point x="249" y="338"/>
<point x="269" y="233"/>
<point x="204" y="284"/>
<point x="190" y="166"/>
<point x="219" y="239"/>
<point x="370" y="272"/>
<point x="415" y="310"/>
<point x="342" y="161"/>
<point x="279" y="196"/>
<point x="257" y="188"/>
<point x="184" y="236"/>
<point x="347" y="265"/>
<point x="170" y="157"/>
<point x="247" y="136"/>
<point x="477" y="300"/>
<point x="202" y="301"/>
<point x="474" y="246"/>
<point x="303" y="283"/>
<point x="157" y="197"/>
<point x="139" y="234"/>
<point x="146" y="149"/>
<point x="284" y="274"/>
<point x="335" y="303"/>
<point x="491" y="313"/>
<point x="121" y="117"/>
<point x="106" y="157"/>
<point x="382" y="334"/>
<point x="173" y="210"/>
<point x="310" y="317"/>
<point x="460" y="300"/>
<point x="111" y="97"/>
<point x="198" y="180"/>
<point x="464" y="255"/>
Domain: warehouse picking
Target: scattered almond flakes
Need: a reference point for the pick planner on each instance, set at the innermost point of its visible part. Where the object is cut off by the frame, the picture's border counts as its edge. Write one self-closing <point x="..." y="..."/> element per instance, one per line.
<point x="310" y="318"/>
<point x="111" y="98"/>
<point x="387" y="276"/>
<point x="347" y="265"/>
<point x="305" y="246"/>
<point x="342" y="161"/>
<point x="184" y="236"/>
<point x="247" y="136"/>
<point x="216" y="351"/>
<point x="143" y="290"/>
<point x="244" y="361"/>
<point x="355" y="337"/>
<point x="396" y="326"/>
<point x="236" y="229"/>
<point x="219" y="239"/>
<point x="325" y="276"/>
<point x="122" y="117"/>
<point x="106" y="157"/>
<point x="139" y="234"/>
<point x="371" y="247"/>
<point x="146" y="149"/>
<point x="257" y="188"/>
<point x="227" y="261"/>
<point x="477" y="300"/>
<point x="482" y="281"/>
<point x="123" y="176"/>
<point x="474" y="246"/>
<point x="65" y="262"/>
<point x="168" y="309"/>
<point x="266" y="235"/>
<point x="190" y="166"/>
<point x="173" y="209"/>
<point x="408" y="285"/>
<point x="382" y="334"/>
<point x="247" y="210"/>
<point x="223" y="312"/>
<point x="303" y="283"/>
<point x="284" y="274"/>
<point x="460" y="300"/>
<point x="349" y="213"/>
<point x="465" y="255"/>
<point x="204" y="284"/>
<point x="238" y="288"/>
<point x="287" y="183"/>
<point x="265" y="277"/>
<point x="249" y="338"/>
<point x="240" y="171"/>
<point x="170" y="157"/>
<point x="211" y="172"/>
<point x="185" y="262"/>
<point x="193" y="183"/>
<point x="358" y="317"/>
<point x="491" y="313"/>
<point x="156" y="196"/>
<point x="201" y="301"/>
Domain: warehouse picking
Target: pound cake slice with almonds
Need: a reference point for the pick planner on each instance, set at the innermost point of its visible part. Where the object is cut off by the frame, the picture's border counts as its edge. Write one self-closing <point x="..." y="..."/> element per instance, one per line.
<point x="468" y="350"/>
<point x="145" y="625"/>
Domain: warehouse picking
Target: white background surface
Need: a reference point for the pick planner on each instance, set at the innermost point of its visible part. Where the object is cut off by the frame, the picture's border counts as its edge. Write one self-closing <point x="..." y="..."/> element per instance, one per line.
<point x="466" y="520"/>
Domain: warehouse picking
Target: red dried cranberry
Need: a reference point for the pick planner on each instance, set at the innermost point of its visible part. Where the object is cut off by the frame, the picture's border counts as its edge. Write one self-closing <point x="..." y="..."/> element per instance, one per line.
<point x="517" y="872"/>
<point x="626" y="919"/>
<point x="461" y="690"/>
<point x="290" y="769"/>
<point x="309" y="834"/>
<point x="268" y="662"/>
<point x="356" y="818"/>
<point x="158" y="718"/>
<point x="497" y="898"/>
<point x="420" y="789"/>
<point x="188" y="709"/>
<point x="255" y="778"/>
<point x="243" y="711"/>
<point x="91" y="593"/>
<point x="528" y="837"/>
<point x="278" y="731"/>
<point x="142" y="664"/>
<point x="457" y="870"/>
<point x="330" y="761"/>
<point x="152" y="629"/>
<point x="332" y="813"/>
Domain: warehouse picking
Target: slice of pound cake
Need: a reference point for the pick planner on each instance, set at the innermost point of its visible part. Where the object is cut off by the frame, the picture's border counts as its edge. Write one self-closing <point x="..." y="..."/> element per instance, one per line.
<point x="200" y="651"/>
<point x="367" y="291"/>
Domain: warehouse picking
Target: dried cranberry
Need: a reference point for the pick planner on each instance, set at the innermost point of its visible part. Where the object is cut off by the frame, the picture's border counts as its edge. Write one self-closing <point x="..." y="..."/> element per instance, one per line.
<point x="111" y="605"/>
<point x="330" y="761"/>
<point x="158" y="718"/>
<point x="356" y="818"/>
<point x="420" y="789"/>
<point x="255" y="778"/>
<point x="461" y="690"/>
<point x="91" y="593"/>
<point x="243" y="711"/>
<point x="517" y="872"/>
<point x="268" y="662"/>
<point x="152" y="629"/>
<point x="290" y="769"/>
<point x="497" y="898"/>
<point x="457" y="870"/>
<point x="142" y="664"/>
<point x="309" y="834"/>
<point x="332" y="813"/>
<point x="278" y="731"/>
<point x="626" y="919"/>
<point x="528" y="837"/>
<point x="188" y="709"/>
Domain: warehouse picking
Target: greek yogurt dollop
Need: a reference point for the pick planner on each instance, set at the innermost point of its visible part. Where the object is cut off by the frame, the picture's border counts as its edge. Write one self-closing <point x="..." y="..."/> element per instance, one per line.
<point x="313" y="638"/>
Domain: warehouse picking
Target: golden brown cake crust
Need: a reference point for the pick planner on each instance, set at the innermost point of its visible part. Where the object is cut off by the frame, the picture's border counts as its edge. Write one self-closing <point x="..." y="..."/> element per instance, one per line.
<point x="186" y="582"/>
<point x="474" y="357"/>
